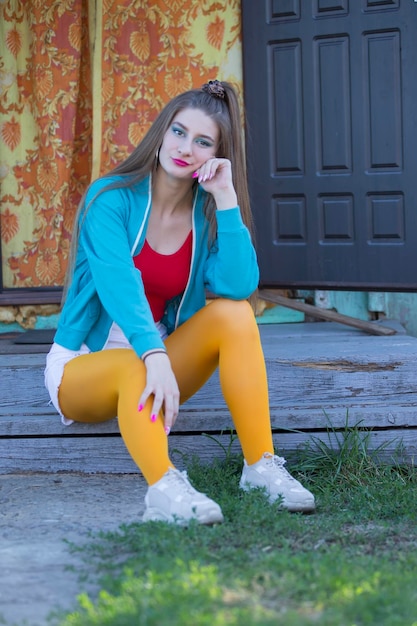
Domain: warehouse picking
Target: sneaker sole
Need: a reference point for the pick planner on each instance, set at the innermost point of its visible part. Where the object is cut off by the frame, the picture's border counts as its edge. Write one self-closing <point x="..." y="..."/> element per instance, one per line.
<point x="208" y="519"/>
<point x="308" y="506"/>
<point x="302" y="507"/>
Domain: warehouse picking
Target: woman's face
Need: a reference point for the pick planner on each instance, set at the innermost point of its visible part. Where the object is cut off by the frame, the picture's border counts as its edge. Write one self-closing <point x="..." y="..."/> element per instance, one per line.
<point x="190" y="141"/>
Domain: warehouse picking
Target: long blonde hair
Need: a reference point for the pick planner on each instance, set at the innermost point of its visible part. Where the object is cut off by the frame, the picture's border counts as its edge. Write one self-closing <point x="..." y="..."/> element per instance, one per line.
<point x="225" y="111"/>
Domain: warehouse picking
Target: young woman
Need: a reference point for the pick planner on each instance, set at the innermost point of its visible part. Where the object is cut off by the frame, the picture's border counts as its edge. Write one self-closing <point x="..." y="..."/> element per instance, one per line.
<point x="136" y="337"/>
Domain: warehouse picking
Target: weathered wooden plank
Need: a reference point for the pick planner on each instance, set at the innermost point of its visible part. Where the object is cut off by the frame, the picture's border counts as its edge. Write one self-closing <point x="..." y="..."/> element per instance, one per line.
<point x="190" y="420"/>
<point x="286" y="338"/>
<point x="275" y="337"/>
<point x="109" y="455"/>
<point x="312" y="373"/>
<point x="22" y="360"/>
<point x="312" y="380"/>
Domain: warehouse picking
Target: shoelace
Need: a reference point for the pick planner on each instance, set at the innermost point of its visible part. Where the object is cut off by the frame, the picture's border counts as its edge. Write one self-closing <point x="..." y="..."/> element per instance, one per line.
<point x="177" y="477"/>
<point x="278" y="462"/>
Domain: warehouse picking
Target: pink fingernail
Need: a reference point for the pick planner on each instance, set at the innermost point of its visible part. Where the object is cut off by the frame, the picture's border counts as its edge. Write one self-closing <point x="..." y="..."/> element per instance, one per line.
<point x="140" y="407"/>
<point x="153" y="418"/>
<point x="167" y="430"/>
<point x="195" y="175"/>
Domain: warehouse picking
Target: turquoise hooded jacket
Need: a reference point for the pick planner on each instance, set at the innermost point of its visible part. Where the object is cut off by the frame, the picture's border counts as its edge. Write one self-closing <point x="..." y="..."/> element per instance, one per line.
<point x="106" y="287"/>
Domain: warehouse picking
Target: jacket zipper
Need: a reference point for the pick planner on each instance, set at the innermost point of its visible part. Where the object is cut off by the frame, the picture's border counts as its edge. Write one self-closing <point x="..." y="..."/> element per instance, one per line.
<point x="191" y="265"/>
<point x="142" y="226"/>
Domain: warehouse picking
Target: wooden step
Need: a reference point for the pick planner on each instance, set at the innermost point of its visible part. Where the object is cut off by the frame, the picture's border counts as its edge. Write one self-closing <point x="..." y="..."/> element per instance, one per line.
<point x="323" y="377"/>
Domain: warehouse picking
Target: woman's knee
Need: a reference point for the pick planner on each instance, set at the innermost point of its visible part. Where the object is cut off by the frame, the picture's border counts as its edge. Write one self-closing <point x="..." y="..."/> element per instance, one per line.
<point x="236" y="314"/>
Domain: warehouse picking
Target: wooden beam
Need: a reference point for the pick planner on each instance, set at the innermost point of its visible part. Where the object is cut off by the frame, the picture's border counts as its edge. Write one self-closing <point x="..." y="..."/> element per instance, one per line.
<point x="325" y="314"/>
<point x="18" y="297"/>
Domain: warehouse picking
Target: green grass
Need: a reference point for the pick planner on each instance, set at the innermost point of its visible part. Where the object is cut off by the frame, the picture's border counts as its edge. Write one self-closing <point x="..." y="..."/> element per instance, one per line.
<point x="352" y="563"/>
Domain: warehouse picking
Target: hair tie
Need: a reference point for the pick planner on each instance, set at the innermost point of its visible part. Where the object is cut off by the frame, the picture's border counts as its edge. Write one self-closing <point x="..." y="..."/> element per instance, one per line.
<point x="215" y="89"/>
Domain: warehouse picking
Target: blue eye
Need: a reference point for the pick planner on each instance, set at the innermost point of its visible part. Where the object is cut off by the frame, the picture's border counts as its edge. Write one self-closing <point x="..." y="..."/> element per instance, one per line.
<point x="204" y="143"/>
<point x="177" y="131"/>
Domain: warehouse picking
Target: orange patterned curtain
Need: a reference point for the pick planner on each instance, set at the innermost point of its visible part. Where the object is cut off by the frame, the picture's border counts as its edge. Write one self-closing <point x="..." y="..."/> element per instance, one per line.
<point x="80" y="83"/>
<point x="45" y="127"/>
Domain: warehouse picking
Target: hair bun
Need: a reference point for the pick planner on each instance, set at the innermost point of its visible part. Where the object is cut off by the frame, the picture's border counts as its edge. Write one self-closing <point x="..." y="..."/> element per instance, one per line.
<point x="215" y="89"/>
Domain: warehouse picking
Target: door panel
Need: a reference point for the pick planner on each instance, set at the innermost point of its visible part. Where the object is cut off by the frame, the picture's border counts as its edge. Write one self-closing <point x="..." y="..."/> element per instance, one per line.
<point x="330" y="94"/>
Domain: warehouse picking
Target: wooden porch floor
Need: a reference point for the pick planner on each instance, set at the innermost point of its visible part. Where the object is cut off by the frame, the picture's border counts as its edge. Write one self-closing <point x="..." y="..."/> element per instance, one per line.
<point x="321" y="375"/>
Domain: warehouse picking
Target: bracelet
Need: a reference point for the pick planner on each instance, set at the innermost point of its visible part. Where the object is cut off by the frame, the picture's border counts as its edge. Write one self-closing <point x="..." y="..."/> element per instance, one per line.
<point x="157" y="351"/>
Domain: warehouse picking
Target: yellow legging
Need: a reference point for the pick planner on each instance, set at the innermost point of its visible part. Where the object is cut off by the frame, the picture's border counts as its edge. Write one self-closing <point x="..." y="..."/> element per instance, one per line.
<point x="100" y="385"/>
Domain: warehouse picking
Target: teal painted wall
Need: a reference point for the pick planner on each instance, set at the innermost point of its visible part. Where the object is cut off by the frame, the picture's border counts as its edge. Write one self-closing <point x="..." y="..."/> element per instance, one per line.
<point x="369" y="305"/>
<point x="360" y="304"/>
<point x="42" y="322"/>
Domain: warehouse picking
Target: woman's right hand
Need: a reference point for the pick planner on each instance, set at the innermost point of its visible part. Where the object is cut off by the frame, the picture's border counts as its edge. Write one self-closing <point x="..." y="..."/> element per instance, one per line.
<point x="162" y="384"/>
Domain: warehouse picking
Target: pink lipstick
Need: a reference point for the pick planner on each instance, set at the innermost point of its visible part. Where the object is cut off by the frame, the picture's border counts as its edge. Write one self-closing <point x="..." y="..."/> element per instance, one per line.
<point x="180" y="163"/>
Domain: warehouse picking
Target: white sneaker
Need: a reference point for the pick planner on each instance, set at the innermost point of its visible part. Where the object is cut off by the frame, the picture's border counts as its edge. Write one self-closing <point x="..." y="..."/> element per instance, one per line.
<point x="269" y="473"/>
<point x="174" y="499"/>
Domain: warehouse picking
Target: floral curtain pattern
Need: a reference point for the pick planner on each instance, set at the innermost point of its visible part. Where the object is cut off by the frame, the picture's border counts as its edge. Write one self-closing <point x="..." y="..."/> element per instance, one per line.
<point x="80" y="83"/>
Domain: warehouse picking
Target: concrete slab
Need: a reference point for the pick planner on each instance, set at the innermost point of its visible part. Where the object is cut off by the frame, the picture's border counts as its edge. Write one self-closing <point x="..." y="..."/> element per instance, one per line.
<point x="38" y="514"/>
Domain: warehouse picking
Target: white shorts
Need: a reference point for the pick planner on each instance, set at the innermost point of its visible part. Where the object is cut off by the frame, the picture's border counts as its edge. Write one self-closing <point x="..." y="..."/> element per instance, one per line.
<point x="58" y="357"/>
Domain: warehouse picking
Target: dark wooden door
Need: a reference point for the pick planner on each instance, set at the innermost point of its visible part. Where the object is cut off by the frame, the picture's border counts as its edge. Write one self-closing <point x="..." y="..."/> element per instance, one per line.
<point x="331" y="100"/>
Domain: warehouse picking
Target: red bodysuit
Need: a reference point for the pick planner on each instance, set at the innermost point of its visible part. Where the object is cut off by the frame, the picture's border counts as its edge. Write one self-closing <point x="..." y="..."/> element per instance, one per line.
<point x="164" y="275"/>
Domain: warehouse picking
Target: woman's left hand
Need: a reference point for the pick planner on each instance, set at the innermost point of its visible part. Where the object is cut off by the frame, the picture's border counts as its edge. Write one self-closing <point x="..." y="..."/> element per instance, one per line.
<point x="215" y="177"/>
